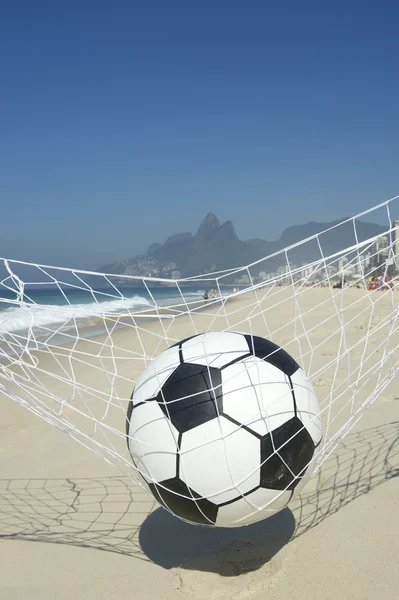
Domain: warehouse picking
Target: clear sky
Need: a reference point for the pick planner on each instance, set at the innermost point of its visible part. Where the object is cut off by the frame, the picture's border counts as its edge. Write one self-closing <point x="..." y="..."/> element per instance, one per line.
<point x="124" y="122"/>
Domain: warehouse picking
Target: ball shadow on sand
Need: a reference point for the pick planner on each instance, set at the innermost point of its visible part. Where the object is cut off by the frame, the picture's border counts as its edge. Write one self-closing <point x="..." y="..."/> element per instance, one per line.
<point x="112" y="514"/>
<point x="170" y="542"/>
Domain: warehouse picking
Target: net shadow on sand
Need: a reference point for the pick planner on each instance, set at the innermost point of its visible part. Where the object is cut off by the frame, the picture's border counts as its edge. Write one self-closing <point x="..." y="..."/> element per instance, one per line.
<point x="115" y="515"/>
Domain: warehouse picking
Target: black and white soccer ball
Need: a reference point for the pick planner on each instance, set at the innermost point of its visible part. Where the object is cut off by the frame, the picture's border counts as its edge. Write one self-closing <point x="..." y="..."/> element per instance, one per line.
<point x="222" y="427"/>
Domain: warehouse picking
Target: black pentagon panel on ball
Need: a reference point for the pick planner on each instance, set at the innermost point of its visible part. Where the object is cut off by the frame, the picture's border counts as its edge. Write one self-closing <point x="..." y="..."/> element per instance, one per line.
<point x="129" y="415"/>
<point x="191" y="396"/>
<point x="272" y="354"/>
<point x="184" y="502"/>
<point x="183" y="341"/>
<point x="130" y="408"/>
<point x="296" y="454"/>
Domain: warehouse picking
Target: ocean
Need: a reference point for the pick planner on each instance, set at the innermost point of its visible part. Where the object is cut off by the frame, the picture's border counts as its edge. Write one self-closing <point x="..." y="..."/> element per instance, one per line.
<point x="55" y="312"/>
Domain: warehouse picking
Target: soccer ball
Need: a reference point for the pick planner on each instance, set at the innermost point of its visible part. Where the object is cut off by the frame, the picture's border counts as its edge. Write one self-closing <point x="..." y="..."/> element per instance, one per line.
<point x="222" y="427"/>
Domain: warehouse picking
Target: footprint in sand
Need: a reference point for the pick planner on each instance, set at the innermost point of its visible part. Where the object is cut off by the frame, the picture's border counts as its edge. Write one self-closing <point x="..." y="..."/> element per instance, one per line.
<point x="321" y="382"/>
<point x="233" y="571"/>
<point x="390" y="397"/>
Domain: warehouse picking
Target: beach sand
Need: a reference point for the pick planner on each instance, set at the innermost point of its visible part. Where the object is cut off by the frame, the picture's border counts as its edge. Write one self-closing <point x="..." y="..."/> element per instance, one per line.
<point x="339" y="539"/>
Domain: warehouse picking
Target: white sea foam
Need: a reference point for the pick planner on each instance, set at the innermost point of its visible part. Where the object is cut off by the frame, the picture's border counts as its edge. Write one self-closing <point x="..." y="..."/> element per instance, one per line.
<point x="21" y="318"/>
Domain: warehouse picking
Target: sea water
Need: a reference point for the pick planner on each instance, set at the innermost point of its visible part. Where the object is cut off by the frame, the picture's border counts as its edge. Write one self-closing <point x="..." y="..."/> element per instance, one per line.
<point x="57" y="313"/>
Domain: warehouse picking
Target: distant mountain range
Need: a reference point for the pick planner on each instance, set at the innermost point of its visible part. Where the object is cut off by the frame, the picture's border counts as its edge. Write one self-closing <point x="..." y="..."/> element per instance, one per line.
<point x="216" y="246"/>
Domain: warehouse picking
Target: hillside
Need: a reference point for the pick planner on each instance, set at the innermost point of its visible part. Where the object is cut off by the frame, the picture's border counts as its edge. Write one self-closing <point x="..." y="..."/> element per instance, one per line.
<point x="215" y="247"/>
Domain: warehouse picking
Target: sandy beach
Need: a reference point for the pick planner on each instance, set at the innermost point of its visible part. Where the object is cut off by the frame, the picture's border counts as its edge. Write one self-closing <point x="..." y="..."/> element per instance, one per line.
<point x="340" y="537"/>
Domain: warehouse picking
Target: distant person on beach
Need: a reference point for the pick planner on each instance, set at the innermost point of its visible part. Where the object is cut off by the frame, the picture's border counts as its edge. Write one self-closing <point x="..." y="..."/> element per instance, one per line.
<point x="206" y="295"/>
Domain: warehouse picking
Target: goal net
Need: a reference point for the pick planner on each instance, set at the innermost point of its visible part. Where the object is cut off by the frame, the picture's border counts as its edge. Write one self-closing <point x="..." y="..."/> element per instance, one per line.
<point x="73" y="343"/>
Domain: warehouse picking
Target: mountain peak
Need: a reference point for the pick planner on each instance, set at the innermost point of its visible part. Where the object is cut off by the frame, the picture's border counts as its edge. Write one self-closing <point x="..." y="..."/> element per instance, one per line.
<point x="216" y="247"/>
<point x="210" y="222"/>
<point x="228" y="226"/>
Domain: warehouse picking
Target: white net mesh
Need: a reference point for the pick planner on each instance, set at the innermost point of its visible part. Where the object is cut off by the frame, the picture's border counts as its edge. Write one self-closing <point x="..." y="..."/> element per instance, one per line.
<point x="73" y="343"/>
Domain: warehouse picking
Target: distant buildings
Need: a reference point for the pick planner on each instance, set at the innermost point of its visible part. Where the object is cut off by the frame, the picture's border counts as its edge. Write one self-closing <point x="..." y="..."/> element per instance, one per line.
<point x="341" y="264"/>
<point x="244" y="279"/>
<point x="358" y="264"/>
<point x="306" y="273"/>
<point x="379" y="252"/>
<point x="284" y="273"/>
<point x="367" y="260"/>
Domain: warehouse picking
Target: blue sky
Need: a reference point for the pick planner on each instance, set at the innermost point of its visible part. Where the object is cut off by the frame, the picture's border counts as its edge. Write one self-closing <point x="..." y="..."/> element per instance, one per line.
<point x="124" y="122"/>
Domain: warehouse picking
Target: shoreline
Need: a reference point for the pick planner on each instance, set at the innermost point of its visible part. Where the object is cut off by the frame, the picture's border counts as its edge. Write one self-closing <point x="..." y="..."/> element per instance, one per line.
<point x="97" y="328"/>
